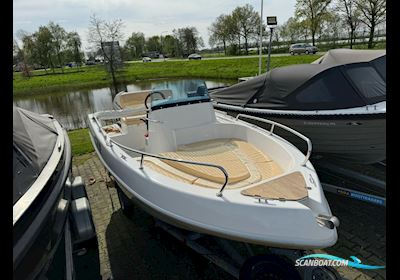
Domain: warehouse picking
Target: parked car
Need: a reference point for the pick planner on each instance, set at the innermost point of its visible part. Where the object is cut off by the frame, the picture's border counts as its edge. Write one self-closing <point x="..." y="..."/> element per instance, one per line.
<point x="17" y="68"/>
<point x="194" y="56"/>
<point x="152" y="54"/>
<point x="90" y="62"/>
<point x="146" y="59"/>
<point x="302" y="48"/>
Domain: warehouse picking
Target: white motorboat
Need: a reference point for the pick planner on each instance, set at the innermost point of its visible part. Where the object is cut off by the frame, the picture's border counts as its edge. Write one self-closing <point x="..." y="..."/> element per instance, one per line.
<point x="202" y="170"/>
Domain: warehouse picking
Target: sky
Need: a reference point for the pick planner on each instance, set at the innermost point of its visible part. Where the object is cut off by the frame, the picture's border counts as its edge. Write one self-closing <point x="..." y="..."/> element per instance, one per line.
<point x="152" y="17"/>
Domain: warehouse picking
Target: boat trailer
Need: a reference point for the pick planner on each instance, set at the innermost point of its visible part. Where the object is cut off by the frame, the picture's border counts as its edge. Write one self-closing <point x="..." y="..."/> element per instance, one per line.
<point x="245" y="264"/>
<point x="353" y="184"/>
<point x="79" y="231"/>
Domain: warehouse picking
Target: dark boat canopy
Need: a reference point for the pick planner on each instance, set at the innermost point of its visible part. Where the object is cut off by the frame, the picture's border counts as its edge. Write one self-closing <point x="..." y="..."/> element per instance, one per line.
<point x="34" y="138"/>
<point x="340" y="79"/>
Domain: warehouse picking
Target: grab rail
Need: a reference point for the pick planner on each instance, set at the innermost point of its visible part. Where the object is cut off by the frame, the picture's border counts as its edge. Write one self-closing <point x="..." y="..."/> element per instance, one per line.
<point x="271" y="131"/>
<point x="109" y="141"/>
<point x="113" y="114"/>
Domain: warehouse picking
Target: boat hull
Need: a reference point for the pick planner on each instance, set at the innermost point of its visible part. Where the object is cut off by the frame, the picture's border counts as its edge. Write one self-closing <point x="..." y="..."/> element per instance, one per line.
<point x="355" y="138"/>
<point x="38" y="233"/>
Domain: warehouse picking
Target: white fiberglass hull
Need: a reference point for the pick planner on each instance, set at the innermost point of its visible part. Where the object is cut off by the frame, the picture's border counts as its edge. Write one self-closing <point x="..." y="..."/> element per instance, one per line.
<point x="286" y="224"/>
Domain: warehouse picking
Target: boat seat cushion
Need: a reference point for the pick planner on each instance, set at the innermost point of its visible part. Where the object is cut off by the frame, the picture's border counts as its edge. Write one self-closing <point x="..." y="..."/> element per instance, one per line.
<point x="135" y="100"/>
<point x="134" y="120"/>
<point x="288" y="187"/>
<point x="244" y="163"/>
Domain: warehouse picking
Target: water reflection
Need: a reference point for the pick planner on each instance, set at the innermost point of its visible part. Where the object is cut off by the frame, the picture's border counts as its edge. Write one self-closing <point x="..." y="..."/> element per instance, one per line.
<point x="71" y="108"/>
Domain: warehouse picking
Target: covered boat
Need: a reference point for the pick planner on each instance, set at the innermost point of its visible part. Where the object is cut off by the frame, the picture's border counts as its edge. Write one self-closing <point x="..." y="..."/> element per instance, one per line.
<point x="207" y="172"/>
<point x="41" y="164"/>
<point x="338" y="101"/>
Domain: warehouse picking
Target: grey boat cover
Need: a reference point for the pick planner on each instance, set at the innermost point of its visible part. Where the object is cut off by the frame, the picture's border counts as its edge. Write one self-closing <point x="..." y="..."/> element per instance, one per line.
<point x="34" y="138"/>
<point x="340" y="79"/>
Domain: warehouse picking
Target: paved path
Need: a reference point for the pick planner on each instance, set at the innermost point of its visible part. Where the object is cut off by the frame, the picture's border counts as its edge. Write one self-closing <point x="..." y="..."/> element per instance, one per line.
<point x="132" y="248"/>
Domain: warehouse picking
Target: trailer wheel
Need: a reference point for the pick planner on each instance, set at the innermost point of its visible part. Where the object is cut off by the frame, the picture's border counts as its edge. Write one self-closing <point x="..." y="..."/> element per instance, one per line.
<point x="126" y="204"/>
<point x="321" y="273"/>
<point x="268" y="267"/>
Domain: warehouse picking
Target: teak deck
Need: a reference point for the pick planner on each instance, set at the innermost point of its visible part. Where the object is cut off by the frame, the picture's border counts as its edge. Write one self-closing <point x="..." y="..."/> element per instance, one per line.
<point x="245" y="164"/>
<point x="288" y="187"/>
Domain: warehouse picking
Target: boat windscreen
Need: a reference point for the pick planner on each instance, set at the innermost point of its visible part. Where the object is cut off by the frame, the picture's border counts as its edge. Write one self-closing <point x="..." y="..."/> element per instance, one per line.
<point x="368" y="82"/>
<point x="380" y="66"/>
<point x="179" y="92"/>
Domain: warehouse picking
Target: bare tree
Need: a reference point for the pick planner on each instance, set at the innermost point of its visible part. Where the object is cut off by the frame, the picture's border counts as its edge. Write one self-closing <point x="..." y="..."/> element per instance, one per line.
<point x="350" y="10"/>
<point x="248" y="21"/>
<point x="102" y="35"/>
<point x="219" y="32"/>
<point x="21" y="60"/>
<point x="373" y="13"/>
<point x="313" y="11"/>
<point x="289" y="30"/>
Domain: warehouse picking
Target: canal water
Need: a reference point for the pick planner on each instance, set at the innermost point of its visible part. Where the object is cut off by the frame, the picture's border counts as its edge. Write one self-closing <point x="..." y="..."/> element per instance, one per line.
<point x="71" y="108"/>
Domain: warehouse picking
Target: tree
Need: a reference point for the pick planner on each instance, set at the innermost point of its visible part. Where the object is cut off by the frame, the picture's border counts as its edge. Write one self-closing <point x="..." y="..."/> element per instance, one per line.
<point x="290" y="30"/>
<point x="58" y="36"/>
<point x="332" y="25"/>
<point x="234" y="32"/>
<point x="168" y="46"/>
<point x="286" y="33"/>
<point x="103" y="35"/>
<point x="189" y="40"/>
<point x="248" y="22"/>
<point x="351" y="12"/>
<point x="153" y="44"/>
<point x="136" y="44"/>
<point x="73" y="48"/>
<point x="43" y="44"/>
<point x="313" y="12"/>
<point x="19" y="58"/>
<point x="219" y="32"/>
<point x="373" y="13"/>
<point x="15" y="51"/>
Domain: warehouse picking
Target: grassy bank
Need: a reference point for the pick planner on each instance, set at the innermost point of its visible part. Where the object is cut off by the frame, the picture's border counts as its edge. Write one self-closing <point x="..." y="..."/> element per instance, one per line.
<point x="80" y="142"/>
<point x="95" y="76"/>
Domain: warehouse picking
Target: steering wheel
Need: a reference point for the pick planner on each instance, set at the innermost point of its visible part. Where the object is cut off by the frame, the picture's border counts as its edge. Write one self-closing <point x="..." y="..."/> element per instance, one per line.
<point x="150" y="94"/>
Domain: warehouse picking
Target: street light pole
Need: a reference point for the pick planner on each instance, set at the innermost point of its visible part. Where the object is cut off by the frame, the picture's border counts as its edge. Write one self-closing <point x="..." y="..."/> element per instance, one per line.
<point x="162" y="43"/>
<point x="271" y="22"/>
<point x="260" y="48"/>
<point x="269" y="48"/>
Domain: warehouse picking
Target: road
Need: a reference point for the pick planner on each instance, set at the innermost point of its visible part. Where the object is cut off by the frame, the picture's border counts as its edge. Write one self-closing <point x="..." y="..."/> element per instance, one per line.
<point x="214" y="58"/>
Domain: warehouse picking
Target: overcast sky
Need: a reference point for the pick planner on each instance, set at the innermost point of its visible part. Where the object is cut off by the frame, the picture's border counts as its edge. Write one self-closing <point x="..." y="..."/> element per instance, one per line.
<point x="152" y="17"/>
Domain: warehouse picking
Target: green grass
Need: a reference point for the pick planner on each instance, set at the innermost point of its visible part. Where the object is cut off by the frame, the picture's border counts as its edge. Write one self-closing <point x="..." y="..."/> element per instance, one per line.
<point x="80" y="142"/>
<point x="95" y="76"/>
